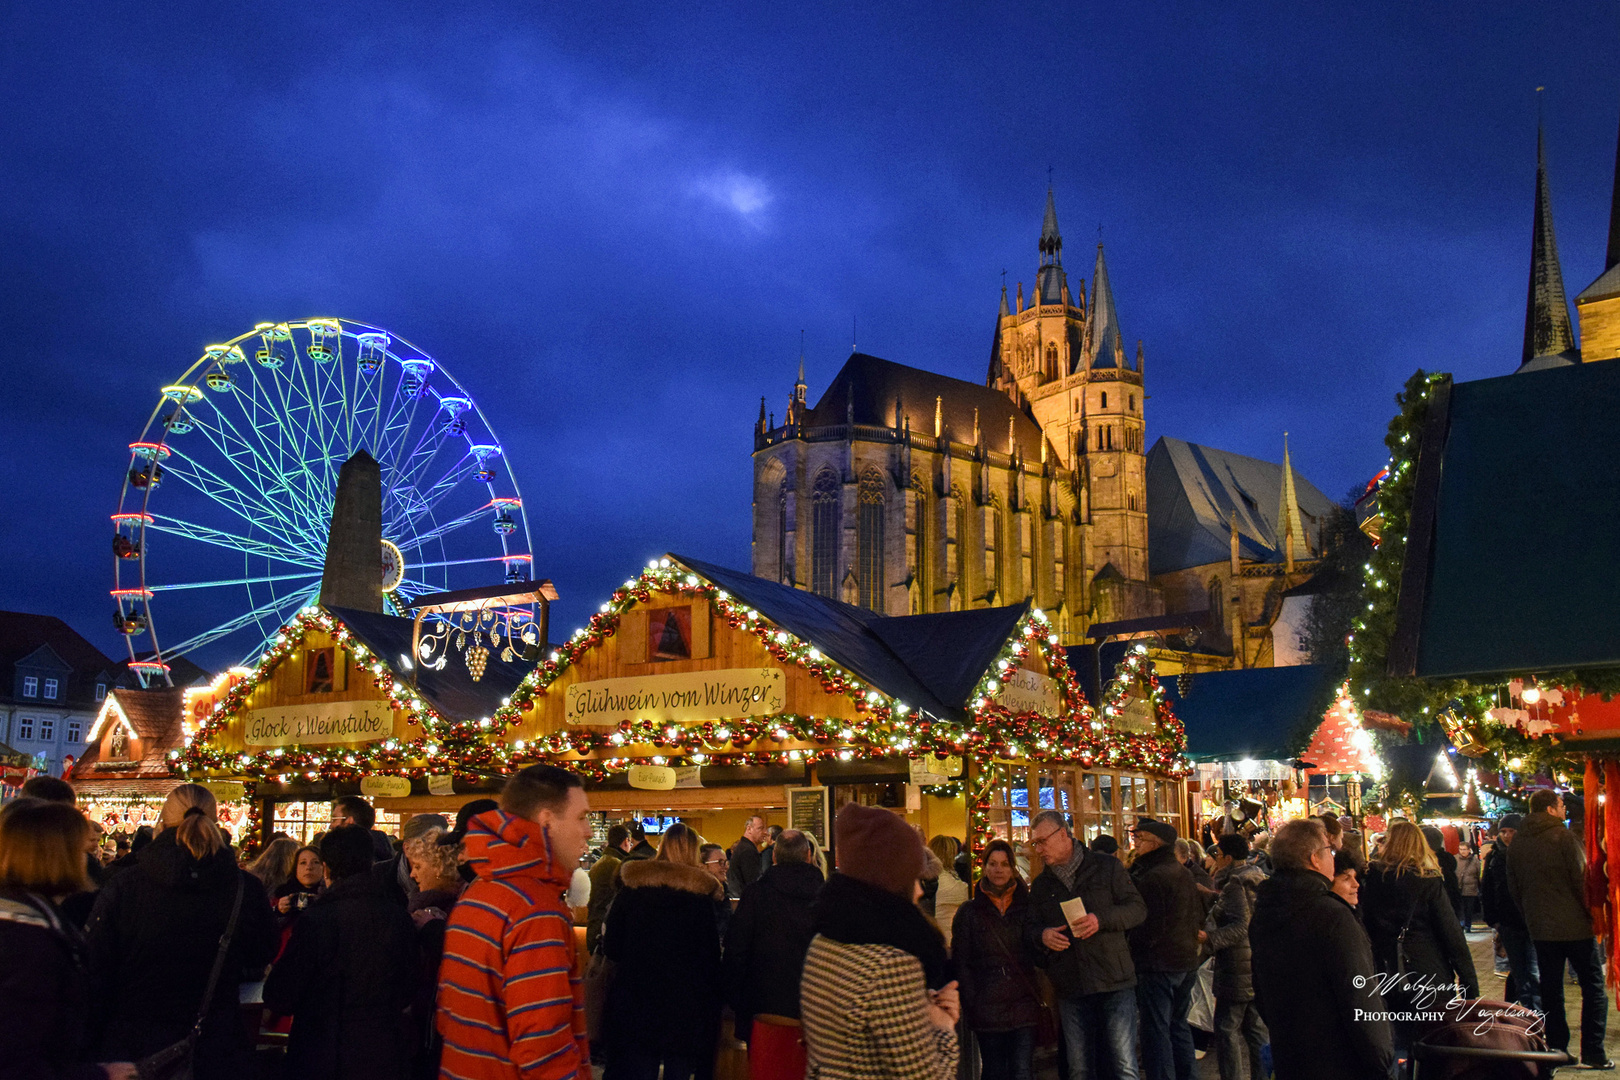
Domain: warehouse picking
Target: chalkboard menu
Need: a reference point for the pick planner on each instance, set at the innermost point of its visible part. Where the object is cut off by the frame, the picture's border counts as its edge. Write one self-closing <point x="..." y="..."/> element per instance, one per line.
<point x="808" y="812"/>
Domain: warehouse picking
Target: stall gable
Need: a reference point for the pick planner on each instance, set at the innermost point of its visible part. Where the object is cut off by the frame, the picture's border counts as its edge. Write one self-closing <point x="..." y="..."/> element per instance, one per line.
<point x="318" y="699"/>
<point x="672" y="660"/>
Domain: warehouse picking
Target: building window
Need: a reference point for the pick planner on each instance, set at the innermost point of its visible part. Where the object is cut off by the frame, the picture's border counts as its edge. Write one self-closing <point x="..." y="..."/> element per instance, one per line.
<point x="1105" y="399"/>
<point x="781" y="539"/>
<point x="869" y="541"/>
<point x="75" y="731"/>
<point x="1132" y="401"/>
<point x="47" y="730"/>
<point x="30" y="686"/>
<point x="25" y="727"/>
<point x="959" y="597"/>
<point x="920" y="544"/>
<point x="50" y="689"/>
<point x="101" y="691"/>
<point x="993" y="544"/>
<point x="824" y="535"/>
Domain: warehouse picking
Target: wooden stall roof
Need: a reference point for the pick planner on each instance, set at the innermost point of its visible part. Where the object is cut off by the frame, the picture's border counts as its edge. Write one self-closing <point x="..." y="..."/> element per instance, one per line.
<point x="151" y="721"/>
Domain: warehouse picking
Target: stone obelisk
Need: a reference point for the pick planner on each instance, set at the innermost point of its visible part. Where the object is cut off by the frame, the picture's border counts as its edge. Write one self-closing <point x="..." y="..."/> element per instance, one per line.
<point x="353" y="575"/>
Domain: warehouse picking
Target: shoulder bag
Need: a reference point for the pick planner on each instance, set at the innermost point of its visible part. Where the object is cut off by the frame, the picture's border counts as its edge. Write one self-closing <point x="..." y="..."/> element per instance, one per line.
<point x="174" y="1061"/>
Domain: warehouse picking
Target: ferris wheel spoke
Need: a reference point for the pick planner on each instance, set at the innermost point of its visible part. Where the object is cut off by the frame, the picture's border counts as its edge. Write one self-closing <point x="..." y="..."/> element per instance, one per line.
<point x="437" y="493"/>
<point x="242" y="457"/>
<point x="260" y="513"/>
<point x="237" y="582"/>
<point x="422" y="454"/>
<point x="246" y="545"/>
<point x="418" y="541"/>
<point x="251" y="456"/>
<point x="272" y="608"/>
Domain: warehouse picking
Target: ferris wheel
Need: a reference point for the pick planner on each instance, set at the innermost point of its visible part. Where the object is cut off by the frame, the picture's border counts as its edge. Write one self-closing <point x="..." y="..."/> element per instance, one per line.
<point x="223" y="513"/>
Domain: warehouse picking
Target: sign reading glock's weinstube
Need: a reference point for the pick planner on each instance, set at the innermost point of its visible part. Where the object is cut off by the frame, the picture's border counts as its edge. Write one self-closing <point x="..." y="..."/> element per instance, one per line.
<point x="693" y="695"/>
<point x="1025" y="691"/>
<point x="317" y="724"/>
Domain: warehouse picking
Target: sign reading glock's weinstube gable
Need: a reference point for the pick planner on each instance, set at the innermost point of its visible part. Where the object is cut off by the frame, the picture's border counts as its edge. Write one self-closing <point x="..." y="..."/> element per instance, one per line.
<point x="693" y="695"/>
<point x="1025" y="691"/>
<point x="317" y="724"/>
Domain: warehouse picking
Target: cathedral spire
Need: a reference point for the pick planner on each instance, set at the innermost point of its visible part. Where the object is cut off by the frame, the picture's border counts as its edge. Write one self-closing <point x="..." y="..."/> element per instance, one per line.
<point x="1051" y="241"/>
<point x="1103" y="344"/>
<point x="996" y="370"/>
<point x="1546" y="313"/>
<point x="1290" y="524"/>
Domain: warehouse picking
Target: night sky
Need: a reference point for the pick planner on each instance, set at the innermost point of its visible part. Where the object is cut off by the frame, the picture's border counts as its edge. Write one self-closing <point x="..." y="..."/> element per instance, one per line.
<point x="612" y="223"/>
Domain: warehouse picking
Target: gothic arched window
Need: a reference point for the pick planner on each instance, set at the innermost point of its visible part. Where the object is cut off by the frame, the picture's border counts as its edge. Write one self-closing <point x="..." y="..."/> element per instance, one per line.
<point x="782" y="549"/>
<point x="869" y="541"/>
<point x="919" y="542"/>
<point x="824" y="534"/>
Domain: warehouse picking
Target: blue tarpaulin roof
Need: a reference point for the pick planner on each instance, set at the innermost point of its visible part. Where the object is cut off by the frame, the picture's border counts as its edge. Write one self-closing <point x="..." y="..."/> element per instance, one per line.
<point x="1256" y="713"/>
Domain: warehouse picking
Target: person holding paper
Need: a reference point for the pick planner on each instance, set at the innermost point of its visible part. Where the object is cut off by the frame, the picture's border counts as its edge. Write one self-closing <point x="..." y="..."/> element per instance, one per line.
<point x="1081" y="905"/>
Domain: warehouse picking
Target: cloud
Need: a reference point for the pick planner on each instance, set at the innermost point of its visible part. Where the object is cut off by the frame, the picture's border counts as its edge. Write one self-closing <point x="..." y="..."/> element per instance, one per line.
<point x="747" y="195"/>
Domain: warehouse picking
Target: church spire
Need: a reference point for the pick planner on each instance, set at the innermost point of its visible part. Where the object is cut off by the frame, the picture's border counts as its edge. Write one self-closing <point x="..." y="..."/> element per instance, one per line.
<point x="1051" y="241"/>
<point x="1290" y="524"/>
<point x="996" y="370"/>
<point x="1546" y="313"/>
<point x="1104" y="347"/>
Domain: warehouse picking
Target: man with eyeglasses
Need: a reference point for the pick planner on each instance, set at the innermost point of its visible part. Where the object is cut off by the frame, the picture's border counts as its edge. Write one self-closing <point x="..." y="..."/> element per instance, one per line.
<point x="1086" y="957"/>
<point x="1314" y="977"/>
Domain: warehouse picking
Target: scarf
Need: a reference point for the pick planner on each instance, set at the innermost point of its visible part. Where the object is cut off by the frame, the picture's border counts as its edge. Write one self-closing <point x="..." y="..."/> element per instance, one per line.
<point x="1002" y="897"/>
<point x="851" y="911"/>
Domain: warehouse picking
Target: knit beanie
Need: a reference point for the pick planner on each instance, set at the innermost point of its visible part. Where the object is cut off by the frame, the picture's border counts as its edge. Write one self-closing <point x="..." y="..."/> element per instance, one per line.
<point x="878" y="847"/>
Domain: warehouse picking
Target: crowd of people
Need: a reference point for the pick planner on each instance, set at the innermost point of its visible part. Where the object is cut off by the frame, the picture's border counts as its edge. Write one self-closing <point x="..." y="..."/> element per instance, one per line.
<point x="451" y="952"/>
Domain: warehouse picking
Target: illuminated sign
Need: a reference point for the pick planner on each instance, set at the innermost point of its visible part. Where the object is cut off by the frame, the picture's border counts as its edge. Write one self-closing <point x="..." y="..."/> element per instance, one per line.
<point x="322" y="723"/>
<point x="693" y="695"/>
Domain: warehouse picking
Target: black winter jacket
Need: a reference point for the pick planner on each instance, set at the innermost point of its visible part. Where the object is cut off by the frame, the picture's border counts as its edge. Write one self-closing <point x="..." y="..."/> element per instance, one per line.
<point x="347" y="979"/>
<point x="1313" y="968"/>
<point x="766" y="940"/>
<point x="1434" y="941"/>
<point x="1228" y="930"/>
<point x="994" y="970"/>
<point x="1495" y="897"/>
<point x="151" y="943"/>
<point x="1102" y="962"/>
<point x="1167" y="939"/>
<point x="746" y="866"/>
<point x="665" y="994"/>
<point x="1547" y="876"/>
<point x="44" y="978"/>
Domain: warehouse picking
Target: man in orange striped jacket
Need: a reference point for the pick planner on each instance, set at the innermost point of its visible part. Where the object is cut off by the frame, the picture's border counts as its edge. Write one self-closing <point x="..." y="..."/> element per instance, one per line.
<point x="511" y="997"/>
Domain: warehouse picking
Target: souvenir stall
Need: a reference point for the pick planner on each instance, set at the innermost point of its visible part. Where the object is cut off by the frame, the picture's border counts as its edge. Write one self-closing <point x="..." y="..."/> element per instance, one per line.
<point x="15" y="769"/>
<point x="124" y="774"/>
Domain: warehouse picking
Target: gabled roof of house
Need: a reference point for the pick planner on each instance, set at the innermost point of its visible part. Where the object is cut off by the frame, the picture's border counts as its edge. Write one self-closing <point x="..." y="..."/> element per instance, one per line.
<point x="930" y="662"/>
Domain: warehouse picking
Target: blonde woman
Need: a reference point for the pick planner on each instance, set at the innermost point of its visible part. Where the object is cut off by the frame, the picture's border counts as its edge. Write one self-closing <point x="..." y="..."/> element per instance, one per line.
<point x="155" y="932"/>
<point x="953" y="892"/>
<point x="1409" y="917"/>
<point x="275" y="865"/>
<point x="661" y="932"/>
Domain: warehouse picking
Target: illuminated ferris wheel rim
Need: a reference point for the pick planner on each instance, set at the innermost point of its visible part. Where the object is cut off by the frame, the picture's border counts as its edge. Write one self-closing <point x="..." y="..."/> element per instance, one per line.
<point x="306" y="410"/>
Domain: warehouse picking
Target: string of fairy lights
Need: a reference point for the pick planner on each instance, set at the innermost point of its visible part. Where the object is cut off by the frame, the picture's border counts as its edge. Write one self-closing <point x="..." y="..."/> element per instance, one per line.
<point x="485" y="746"/>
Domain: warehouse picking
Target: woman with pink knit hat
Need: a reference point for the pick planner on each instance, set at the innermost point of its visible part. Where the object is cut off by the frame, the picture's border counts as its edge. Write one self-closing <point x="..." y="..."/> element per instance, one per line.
<point x="877" y="997"/>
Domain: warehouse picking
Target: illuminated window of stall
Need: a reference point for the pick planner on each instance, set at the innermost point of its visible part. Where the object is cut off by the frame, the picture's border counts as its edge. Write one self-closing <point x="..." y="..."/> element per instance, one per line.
<point x="1088" y="820"/>
<point x="1167" y="803"/>
<point x="1007" y="811"/>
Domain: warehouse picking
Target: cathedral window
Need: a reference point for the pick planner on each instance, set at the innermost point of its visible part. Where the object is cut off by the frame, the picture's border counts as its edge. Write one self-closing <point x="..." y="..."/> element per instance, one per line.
<point x="995" y="542"/>
<point x="1105" y="399"/>
<point x="1217" y="608"/>
<point x="919" y="540"/>
<point x="869" y="542"/>
<point x="824" y="535"/>
<point x="782" y="537"/>
<point x="1132" y="401"/>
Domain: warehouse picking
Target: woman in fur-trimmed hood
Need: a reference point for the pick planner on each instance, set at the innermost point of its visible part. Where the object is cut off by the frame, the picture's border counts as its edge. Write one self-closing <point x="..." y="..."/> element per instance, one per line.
<point x="663" y="1004"/>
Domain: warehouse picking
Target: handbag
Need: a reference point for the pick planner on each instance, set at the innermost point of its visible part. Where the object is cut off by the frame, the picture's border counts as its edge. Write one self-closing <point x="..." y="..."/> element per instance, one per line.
<point x="174" y="1062"/>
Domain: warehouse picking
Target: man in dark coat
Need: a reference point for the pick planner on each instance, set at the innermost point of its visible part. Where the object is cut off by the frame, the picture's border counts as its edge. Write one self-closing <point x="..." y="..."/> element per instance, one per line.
<point x="1504" y="916"/>
<point x="1087" y="957"/>
<point x="1164" y="948"/>
<point x="746" y="865"/>
<point x="348" y="973"/>
<point x="354" y="810"/>
<point x="1239" y="1030"/>
<point x="1314" y="977"/>
<point x="640" y="848"/>
<point x="1547" y="879"/>
<point x="1448" y="866"/>
<point x="605" y="881"/>
<point x="770" y="933"/>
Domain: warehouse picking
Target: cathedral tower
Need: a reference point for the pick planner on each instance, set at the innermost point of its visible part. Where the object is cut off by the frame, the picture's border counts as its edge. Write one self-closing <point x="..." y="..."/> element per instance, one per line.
<point x="1063" y="361"/>
<point x="1598" y="305"/>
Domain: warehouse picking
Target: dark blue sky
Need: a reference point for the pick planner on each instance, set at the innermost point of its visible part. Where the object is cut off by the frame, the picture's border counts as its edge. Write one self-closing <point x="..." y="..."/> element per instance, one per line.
<point x="612" y="222"/>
